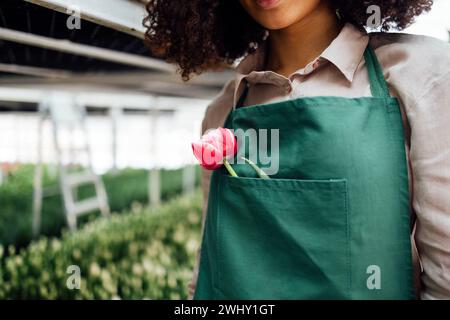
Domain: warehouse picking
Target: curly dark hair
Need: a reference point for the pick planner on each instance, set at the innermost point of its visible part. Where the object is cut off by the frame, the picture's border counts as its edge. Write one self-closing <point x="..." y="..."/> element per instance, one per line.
<point x="199" y="35"/>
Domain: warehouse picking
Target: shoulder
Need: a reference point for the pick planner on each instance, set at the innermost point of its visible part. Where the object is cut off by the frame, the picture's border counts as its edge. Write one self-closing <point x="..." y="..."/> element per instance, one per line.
<point x="415" y="55"/>
<point x="217" y="111"/>
<point x="415" y="45"/>
<point x="416" y="67"/>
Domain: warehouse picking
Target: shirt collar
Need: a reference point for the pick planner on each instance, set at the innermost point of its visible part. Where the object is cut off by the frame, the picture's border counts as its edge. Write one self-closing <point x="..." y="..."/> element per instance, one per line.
<point x="345" y="52"/>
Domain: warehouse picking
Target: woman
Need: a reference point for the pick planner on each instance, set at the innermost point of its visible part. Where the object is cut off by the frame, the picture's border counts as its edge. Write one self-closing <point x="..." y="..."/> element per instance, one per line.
<point x="364" y="147"/>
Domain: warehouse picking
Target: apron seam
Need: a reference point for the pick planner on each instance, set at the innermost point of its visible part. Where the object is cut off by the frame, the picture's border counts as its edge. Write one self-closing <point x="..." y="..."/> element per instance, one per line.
<point x="217" y="239"/>
<point x="348" y="236"/>
<point x="400" y="157"/>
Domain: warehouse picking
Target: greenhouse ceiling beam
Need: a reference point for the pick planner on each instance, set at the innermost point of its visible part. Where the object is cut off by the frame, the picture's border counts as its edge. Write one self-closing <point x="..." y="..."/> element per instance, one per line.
<point x="205" y="86"/>
<point x="101" y="99"/>
<point x="35" y="71"/>
<point x="213" y="80"/>
<point x="122" y="15"/>
<point x="84" y="50"/>
<point x="175" y="91"/>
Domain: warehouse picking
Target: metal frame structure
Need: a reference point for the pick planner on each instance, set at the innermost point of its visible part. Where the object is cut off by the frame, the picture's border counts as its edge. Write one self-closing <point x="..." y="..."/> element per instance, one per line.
<point x="64" y="111"/>
<point x="125" y="16"/>
<point x="116" y="91"/>
<point x="115" y="102"/>
<point x="153" y="75"/>
<point x="84" y="50"/>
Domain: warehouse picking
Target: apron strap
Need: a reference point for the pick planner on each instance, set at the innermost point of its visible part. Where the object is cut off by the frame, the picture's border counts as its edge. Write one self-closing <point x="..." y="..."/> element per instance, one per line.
<point x="243" y="96"/>
<point x="378" y="84"/>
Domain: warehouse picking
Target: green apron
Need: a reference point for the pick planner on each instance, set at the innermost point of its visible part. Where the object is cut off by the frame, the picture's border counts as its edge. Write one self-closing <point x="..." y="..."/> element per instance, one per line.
<point x="333" y="223"/>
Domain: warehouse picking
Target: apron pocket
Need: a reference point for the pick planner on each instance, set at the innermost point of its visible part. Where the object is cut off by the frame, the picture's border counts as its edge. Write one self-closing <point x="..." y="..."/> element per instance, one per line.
<point x="282" y="239"/>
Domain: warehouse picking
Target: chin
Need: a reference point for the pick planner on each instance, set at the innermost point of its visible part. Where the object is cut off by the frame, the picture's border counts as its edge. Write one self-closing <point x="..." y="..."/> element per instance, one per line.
<point x="282" y="13"/>
<point x="275" y="24"/>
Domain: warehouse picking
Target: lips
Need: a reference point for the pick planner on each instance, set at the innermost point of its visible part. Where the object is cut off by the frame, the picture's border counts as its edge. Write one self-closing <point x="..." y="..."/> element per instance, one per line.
<point x="267" y="4"/>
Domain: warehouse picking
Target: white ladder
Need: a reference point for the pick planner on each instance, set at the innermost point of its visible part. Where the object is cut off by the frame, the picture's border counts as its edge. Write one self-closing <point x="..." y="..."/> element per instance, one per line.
<point x="68" y="117"/>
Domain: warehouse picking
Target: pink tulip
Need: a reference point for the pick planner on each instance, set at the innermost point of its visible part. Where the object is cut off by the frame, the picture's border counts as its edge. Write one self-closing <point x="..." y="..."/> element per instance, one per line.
<point x="214" y="148"/>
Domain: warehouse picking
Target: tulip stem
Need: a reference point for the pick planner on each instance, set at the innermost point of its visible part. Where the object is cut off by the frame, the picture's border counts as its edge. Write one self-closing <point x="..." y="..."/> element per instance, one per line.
<point x="229" y="168"/>
<point x="259" y="171"/>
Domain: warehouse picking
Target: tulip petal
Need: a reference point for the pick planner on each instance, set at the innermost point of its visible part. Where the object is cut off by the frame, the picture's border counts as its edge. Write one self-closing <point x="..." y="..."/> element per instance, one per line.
<point x="214" y="146"/>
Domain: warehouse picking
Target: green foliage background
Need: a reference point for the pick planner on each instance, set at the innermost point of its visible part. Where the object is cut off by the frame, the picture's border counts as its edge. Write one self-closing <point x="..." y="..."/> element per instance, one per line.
<point x="125" y="188"/>
<point x="142" y="254"/>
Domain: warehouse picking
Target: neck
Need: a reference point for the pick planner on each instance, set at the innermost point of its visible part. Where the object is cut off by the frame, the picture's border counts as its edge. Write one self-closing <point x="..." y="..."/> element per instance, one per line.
<point x="292" y="48"/>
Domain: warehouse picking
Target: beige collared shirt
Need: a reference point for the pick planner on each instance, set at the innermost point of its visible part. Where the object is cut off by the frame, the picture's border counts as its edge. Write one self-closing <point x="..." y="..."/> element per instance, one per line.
<point x="417" y="70"/>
